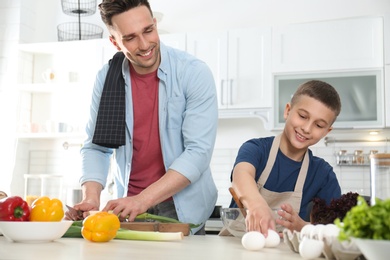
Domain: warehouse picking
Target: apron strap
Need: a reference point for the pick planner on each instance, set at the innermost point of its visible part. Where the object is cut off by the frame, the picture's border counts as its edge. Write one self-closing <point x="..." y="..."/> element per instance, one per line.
<point x="270" y="163"/>
<point x="271" y="160"/>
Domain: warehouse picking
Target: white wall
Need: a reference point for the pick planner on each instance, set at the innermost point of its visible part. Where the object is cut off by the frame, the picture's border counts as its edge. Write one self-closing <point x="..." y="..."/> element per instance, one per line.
<point x="211" y="15"/>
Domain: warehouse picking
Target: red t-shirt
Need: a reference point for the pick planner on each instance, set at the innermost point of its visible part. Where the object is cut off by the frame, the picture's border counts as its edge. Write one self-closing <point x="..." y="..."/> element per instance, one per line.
<point x="147" y="163"/>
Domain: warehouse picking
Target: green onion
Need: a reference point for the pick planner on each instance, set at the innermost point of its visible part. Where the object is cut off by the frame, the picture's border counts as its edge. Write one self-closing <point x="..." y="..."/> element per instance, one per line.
<point x="162" y="219"/>
<point x="148" y="235"/>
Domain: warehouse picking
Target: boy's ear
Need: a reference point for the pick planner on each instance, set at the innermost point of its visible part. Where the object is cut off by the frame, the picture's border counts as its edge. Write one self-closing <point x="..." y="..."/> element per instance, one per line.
<point x="287" y="110"/>
<point x="330" y="129"/>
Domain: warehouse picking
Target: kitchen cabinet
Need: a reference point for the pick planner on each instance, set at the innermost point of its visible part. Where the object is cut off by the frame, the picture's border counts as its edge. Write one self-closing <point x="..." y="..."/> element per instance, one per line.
<point x="387" y="93"/>
<point x="361" y="94"/>
<point x="355" y="43"/>
<point x="386" y="30"/>
<point x="240" y="61"/>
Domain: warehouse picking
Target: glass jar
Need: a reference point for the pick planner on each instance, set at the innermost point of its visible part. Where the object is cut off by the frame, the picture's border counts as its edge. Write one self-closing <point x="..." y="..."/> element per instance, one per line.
<point x="379" y="176"/>
<point x="358" y="157"/>
<point x="342" y="157"/>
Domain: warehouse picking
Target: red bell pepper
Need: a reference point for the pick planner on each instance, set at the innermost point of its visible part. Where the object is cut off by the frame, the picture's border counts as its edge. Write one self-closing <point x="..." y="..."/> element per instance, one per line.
<point x="14" y="209"/>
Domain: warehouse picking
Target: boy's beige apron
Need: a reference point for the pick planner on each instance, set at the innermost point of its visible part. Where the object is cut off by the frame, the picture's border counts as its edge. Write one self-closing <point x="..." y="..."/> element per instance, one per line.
<point x="275" y="199"/>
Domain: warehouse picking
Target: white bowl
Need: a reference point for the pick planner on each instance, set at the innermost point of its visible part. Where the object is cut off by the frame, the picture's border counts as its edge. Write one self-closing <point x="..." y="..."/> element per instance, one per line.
<point x="373" y="249"/>
<point x="33" y="231"/>
<point x="234" y="221"/>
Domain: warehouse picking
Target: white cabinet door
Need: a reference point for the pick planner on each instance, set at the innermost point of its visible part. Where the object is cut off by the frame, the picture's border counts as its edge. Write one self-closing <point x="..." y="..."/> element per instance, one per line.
<point x="249" y="70"/>
<point x="240" y="61"/>
<point x="387" y="94"/>
<point x="211" y="47"/>
<point x="329" y="45"/>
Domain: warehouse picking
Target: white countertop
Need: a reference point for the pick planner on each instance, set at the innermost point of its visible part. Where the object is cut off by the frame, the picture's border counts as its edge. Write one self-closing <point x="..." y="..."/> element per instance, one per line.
<point x="211" y="247"/>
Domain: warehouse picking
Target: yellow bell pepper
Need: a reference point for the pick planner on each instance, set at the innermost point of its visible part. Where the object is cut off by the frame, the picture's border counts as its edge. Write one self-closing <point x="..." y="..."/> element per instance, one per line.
<point x="100" y="227"/>
<point x="46" y="209"/>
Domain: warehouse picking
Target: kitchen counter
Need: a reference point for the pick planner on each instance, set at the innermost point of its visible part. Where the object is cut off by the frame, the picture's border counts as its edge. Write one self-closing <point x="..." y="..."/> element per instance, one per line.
<point x="191" y="247"/>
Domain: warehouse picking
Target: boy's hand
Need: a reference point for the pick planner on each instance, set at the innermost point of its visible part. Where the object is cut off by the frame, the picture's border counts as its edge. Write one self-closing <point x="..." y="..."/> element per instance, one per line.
<point x="290" y="219"/>
<point x="260" y="219"/>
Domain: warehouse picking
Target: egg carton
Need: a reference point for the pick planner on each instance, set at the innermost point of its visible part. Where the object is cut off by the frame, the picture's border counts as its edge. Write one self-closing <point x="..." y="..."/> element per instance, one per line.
<point x="332" y="247"/>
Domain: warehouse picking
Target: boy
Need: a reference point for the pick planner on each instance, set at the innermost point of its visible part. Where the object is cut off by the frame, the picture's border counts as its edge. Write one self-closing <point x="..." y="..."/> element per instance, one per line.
<point x="281" y="172"/>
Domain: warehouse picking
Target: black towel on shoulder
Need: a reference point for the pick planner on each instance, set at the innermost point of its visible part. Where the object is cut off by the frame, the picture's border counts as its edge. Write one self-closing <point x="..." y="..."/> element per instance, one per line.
<point x="110" y="122"/>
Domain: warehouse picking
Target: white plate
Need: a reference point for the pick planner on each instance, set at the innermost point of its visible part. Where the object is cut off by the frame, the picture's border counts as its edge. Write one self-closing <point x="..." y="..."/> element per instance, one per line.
<point x="374" y="249"/>
<point x="33" y="231"/>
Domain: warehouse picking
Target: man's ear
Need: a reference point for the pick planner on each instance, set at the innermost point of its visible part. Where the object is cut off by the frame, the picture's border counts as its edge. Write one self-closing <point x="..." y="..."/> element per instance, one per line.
<point x="113" y="41"/>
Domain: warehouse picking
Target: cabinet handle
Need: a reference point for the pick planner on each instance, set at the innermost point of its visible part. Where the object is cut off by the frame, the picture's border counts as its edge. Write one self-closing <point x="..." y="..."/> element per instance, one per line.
<point x="231" y="92"/>
<point x="222" y="94"/>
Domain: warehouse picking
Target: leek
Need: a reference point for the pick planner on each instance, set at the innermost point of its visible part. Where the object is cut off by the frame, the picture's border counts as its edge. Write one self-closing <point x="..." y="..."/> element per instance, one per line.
<point x="162" y="219"/>
<point x="126" y="234"/>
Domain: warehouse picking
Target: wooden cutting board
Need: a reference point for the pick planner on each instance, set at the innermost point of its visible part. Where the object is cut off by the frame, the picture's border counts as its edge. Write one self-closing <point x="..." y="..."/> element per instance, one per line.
<point x="156" y="226"/>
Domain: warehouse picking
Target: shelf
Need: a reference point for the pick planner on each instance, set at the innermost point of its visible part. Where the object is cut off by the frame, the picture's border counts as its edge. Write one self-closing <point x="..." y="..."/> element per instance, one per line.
<point x="49" y="135"/>
<point x="50" y="87"/>
<point x="260" y="113"/>
<point x="59" y="47"/>
<point x="354" y="165"/>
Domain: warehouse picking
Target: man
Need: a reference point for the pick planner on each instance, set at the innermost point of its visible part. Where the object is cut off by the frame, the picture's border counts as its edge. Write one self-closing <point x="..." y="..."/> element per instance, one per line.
<point x="166" y="127"/>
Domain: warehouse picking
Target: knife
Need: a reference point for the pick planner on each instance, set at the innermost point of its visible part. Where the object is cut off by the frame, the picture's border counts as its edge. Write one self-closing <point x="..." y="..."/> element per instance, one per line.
<point x="75" y="214"/>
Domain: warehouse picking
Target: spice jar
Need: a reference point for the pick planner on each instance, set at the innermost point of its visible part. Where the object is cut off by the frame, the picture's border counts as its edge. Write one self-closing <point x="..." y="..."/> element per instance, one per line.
<point x="373" y="152"/>
<point x="342" y="157"/>
<point x="358" y="157"/>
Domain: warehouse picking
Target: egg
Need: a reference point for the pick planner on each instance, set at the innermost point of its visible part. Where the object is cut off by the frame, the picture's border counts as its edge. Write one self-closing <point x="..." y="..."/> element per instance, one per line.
<point x="253" y="240"/>
<point x="316" y="232"/>
<point x="331" y="231"/>
<point x="305" y="231"/>
<point x="273" y="239"/>
<point x="310" y="248"/>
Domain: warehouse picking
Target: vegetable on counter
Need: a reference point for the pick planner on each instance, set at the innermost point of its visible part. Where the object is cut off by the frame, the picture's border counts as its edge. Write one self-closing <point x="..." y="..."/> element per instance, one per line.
<point x="127" y="234"/>
<point x="46" y="209"/>
<point x="322" y="213"/>
<point x="365" y="221"/>
<point x="79" y="228"/>
<point x="100" y="227"/>
<point x="14" y="208"/>
<point x="162" y="219"/>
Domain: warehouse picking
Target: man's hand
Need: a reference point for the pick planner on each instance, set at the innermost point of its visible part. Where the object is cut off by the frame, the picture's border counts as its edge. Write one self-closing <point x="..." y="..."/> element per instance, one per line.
<point x="126" y="208"/>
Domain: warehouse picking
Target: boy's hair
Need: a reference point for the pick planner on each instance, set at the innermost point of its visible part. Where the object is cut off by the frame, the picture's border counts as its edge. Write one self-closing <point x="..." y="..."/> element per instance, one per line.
<point x="320" y="91"/>
<point x="109" y="8"/>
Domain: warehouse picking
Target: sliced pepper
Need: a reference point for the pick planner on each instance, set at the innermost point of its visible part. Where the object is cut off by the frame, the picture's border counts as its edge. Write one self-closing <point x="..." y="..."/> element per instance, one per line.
<point x="100" y="227"/>
<point x="46" y="209"/>
<point x="14" y="208"/>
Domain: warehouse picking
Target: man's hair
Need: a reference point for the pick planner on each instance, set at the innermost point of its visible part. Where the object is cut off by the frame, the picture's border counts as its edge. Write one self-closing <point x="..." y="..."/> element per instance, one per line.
<point x="320" y="91"/>
<point x="109" y="8"/>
